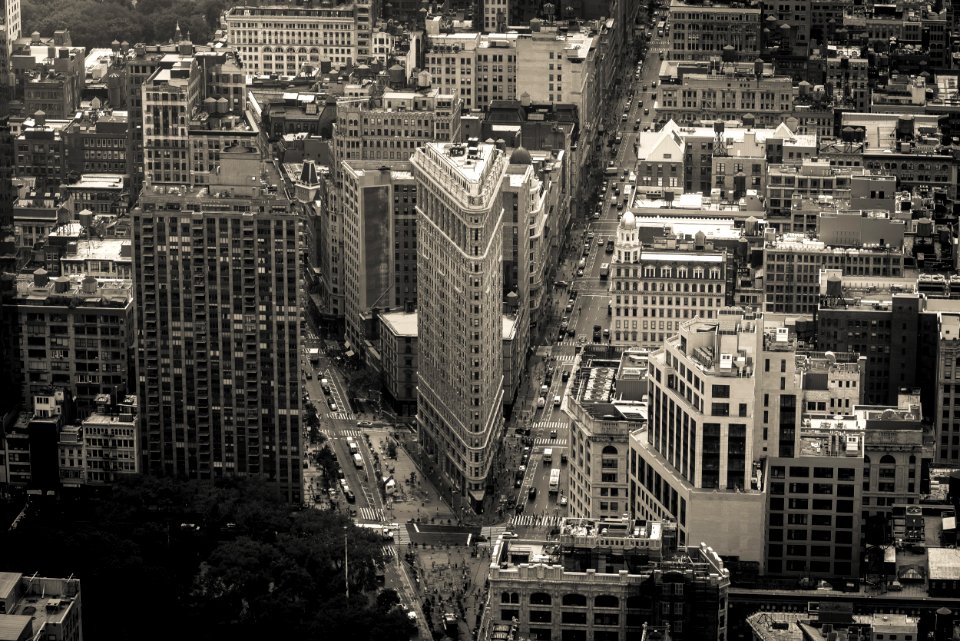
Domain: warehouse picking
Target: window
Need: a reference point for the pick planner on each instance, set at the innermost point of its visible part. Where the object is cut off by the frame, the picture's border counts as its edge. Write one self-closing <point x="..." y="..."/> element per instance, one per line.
<point x="721" y="391"/>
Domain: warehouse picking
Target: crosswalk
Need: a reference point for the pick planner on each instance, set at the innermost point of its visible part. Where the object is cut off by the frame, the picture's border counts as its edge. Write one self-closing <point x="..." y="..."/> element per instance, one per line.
<point x="569" y="342"/>
<point x="356" y="434"/>
<point x="370" y="514"/>
<point x="566" y="358"/>
<point x="550" y="442"/>
<point x="401" y="536"/>
<point x="388" y="552"/>
<point x="536" y="520"/>
<point x="550" y="425"/>
<point x="343" y="416"/>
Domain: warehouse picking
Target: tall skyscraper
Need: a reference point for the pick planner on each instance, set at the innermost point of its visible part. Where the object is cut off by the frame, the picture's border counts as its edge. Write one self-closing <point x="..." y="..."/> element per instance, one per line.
<point x="459" y="294"/>
<point x="216" y="279"/>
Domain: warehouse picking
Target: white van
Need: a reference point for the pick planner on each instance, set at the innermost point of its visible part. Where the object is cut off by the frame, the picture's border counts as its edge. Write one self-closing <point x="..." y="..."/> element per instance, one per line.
<point x="556" y="401"/>
<point x="541" y="402"/>
<point x="543" y="390"/>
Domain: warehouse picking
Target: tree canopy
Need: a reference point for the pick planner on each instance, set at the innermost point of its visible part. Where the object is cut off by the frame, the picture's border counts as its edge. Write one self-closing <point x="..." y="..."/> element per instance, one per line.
<point x="95" y="23"/>
<point x="199" y="561"/>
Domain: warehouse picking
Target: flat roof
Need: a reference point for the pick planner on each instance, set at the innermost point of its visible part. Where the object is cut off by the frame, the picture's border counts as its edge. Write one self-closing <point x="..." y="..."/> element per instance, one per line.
<point x="943" y="564"/>
<point x="695" y="257"/>
<point x="400" y="323"/>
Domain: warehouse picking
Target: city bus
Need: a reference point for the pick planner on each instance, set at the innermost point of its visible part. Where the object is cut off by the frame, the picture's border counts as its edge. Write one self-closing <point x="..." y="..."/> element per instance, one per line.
<point x="661" y="28"/>
<point x="554" y="480"/>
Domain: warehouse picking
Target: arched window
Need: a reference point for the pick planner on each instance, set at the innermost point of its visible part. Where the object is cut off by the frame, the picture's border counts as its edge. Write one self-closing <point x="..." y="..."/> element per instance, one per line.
<point x="888" y="460"/>
<point x="610" y="449"/>
<point x="540" y="598"/>
<point x="606" y="601"/>
<point x="575" y="600"/>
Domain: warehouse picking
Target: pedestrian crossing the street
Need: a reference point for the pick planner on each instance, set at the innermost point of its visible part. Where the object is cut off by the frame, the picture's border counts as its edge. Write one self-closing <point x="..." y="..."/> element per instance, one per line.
<point x="550" y="442"/>
<point x="535" y="520"/>
<point x="401" y="536"/>
<point x="370" y="514"/>
<point x="343" y="416"/>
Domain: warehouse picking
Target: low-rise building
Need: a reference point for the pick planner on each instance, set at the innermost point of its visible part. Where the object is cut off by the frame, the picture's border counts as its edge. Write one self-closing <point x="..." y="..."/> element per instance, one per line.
<point x="398" y="357"/>
<point x="49" y="73"/>
<point x="654" y="291"/>
<point x="792" y="265"/>
<point x="699" y="31"/>
<point x="75" y="333"/>
<point x="104" y="447"/>
<point x="606" y="580"/>
<point x="598" y="482"/>
<point x="40" y="607"/>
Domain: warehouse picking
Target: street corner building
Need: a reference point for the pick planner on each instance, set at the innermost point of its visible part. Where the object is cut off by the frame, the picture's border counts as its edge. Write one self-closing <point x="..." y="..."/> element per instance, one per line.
<point x="459" y="245"/>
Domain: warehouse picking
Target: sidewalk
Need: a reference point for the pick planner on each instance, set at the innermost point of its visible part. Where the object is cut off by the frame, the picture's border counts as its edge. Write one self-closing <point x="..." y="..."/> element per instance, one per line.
<point x="419" y="500"/>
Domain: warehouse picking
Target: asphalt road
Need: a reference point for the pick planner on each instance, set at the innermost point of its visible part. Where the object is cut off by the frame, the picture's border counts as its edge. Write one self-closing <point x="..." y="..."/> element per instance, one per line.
<point x="589" y="307"/>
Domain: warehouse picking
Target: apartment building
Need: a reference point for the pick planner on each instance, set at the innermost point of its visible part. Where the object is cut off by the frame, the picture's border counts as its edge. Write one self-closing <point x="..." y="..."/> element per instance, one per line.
<point x="398" y="349"/>
<point x="216" y="272"/>
<point x="97" y="142"/>
<point x="40" y="607"/>
<point x="459" y="298"/>
<point x="725" y="91"/>
<point x="40" y="150"/>
<point x="73" y="332"/>
<point x="946" y="329"/>
<point x="598" y="481"/>
<point x="726" y="397"/>
<point x="380" y="242"/>
<point x="99" y="194"/>
<point x="194" y="106"/>
<point x="606" y="580"/>
<point x="451" y="61"/>
<point x="848" y="73"/>
<point x="104" y="447"/>
<point x="897" y="457"/>
<point x="392" y="127"/>
<point x="49" y="73"/>
<point x="680" y="158"/>
<point x="283" y="39"/>
<point x="698" y="31"/>
<point x="810" y="180"/>
<point x="695" y="460"/>
<point x="812" y="522"/>
<point x="793" y="262"/>
<point x="653" y="292"/>
<point x="139" y="63"/>
<point x="558" y="67"/>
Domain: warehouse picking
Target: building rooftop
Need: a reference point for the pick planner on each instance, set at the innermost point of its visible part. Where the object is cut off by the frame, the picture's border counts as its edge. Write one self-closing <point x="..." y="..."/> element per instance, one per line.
<point x="837" y="436"/>
<point x="98" y="181"/>
<point x="43" y="600"/>
<point x="622" y="533"/>
<point x="400" y="323"/>
<point x="943" y="564"/>
<point x="39" y="289"/>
